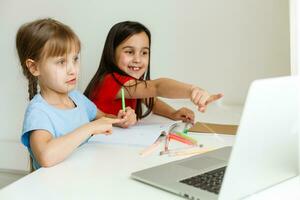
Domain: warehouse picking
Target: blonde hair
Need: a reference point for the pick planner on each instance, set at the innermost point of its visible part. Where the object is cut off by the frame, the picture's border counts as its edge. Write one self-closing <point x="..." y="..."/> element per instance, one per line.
<point x="42" y="39"/>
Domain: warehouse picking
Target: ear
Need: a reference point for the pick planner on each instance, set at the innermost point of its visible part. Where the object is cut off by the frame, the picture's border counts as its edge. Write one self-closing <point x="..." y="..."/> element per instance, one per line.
<point x="32" y="67"/>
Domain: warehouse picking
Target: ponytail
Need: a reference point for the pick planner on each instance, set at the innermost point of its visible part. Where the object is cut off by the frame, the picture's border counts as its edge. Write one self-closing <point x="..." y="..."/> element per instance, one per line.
<point x="32" y="86"/>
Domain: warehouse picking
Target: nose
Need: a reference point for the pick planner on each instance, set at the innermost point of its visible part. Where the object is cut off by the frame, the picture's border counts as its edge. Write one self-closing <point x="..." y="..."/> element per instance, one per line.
<point x="137" y="58"/>
<point x="71" y="68"/>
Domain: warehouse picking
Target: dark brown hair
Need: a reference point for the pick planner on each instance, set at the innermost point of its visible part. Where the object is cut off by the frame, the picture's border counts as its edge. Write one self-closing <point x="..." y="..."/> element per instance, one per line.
<point x="42" y="39"/>
<point x="117" y="34"/>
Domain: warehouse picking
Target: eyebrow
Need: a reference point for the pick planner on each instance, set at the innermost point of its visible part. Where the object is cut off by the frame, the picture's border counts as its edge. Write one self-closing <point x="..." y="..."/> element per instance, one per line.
<point x="64" y="57"/>
<point x="131" y="47"/>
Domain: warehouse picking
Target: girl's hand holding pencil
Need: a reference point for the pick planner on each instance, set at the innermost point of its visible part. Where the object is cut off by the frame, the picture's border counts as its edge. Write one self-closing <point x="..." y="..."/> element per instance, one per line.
<point x="128" y="116"/>
<point x="127" y="113"/>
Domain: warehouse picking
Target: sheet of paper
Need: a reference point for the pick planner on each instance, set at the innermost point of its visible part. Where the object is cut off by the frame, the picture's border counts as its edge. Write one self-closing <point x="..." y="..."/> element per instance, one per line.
<point x="138" y="135"/>
<point x="202" y="127"/>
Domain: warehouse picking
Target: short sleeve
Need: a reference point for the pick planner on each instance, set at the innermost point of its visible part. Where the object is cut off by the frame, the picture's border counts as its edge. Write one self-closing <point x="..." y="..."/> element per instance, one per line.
<point x="35" y="119"/>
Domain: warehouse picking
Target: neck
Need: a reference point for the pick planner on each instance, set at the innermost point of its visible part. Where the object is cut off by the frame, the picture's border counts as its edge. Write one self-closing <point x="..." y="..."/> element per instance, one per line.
<point x="57" y="99"/>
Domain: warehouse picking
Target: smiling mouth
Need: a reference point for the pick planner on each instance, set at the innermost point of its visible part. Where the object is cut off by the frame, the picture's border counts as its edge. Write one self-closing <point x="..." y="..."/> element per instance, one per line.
<point x="134" y="68"/>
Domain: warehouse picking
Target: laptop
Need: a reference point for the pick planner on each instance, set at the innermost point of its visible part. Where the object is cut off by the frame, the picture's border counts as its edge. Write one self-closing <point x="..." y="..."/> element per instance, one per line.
<point x="265" y="151"/>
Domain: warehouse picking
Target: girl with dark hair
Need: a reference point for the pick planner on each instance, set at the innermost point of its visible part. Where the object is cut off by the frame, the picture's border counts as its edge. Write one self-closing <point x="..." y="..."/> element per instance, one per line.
<point x="125" y="62"/>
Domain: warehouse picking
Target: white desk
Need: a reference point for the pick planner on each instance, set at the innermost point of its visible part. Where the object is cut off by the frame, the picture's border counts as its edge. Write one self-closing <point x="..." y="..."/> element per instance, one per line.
<point x="94" y="171"/>
<point x="98" y="171"/>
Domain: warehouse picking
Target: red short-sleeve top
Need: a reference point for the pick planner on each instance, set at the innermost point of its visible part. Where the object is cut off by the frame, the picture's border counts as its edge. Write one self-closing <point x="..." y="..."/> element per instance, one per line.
<point x="105" y="94"/>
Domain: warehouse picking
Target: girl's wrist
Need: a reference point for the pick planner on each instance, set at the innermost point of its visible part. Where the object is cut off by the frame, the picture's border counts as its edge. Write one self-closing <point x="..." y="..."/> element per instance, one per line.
<point x="193" y="87"/>
<point x="172" y="114"/>
<point x="90" y="129"/>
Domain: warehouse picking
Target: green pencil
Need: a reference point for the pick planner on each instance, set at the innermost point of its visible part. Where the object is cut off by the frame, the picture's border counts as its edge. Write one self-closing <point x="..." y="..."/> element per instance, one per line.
<point x="187" y="137"/>
<point x="123" y="99"/>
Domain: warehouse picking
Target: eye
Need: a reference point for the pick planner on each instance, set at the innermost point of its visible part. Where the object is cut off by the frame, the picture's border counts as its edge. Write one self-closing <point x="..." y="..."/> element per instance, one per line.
<point x="145" y="53"/>
<point x="129" y="52"/>
<point x="76" y="58"/>
<point x="61" y="62"/>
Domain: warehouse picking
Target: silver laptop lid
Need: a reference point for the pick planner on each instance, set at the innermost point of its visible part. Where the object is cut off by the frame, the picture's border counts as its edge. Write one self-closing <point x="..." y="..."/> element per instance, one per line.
<point x="265" y="151"/>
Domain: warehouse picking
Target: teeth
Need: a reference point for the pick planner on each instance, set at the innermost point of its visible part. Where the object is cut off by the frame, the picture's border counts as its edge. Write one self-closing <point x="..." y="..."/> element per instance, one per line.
<point x="134" y="68"/>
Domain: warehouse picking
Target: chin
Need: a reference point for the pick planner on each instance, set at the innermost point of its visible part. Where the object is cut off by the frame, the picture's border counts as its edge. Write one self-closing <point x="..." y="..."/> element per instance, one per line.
<point x="135" y="74"/>
<point x="137" y="77"/>
<point x="132" y="75"/>
<point x="69" y="89"/>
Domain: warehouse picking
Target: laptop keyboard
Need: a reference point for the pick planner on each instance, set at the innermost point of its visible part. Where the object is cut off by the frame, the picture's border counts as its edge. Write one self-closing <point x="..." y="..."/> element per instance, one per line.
<point x="210" y="181"/>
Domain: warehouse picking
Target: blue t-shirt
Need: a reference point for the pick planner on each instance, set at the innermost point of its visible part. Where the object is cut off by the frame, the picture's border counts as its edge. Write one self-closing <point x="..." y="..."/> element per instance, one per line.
<point x="40" y="115"/>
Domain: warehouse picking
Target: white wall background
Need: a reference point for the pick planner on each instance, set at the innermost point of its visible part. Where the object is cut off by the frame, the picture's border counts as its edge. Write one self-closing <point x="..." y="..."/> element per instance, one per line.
<point x="295" y="48"/>
<point x="294" y="36"/>
<point x="220" y="45"/>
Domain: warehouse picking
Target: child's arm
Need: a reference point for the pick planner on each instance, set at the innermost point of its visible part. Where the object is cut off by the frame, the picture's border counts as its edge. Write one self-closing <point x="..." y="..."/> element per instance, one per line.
<point x="162" y="87"/>
<point x="49" y="151"/>
<point x="163" y="109"/>
<point x="128" y="117"/>
<point x="168" y="88"/>
<point x="100" y="114"/>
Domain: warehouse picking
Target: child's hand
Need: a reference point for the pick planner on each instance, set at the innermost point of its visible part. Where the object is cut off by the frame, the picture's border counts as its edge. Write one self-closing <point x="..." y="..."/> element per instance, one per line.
<point x="104" y="125"/>
<point x="202" y="98"/>
<point x="184" y="114"/>
<point x="129" y="118"/>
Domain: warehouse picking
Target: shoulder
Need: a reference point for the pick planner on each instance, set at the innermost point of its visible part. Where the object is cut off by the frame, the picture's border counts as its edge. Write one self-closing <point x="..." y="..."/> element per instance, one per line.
<point x="37" y="105"/>
<point x="117" y="78"/>
<point x="37" y="114"/>
<point x="122" y="78"/>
